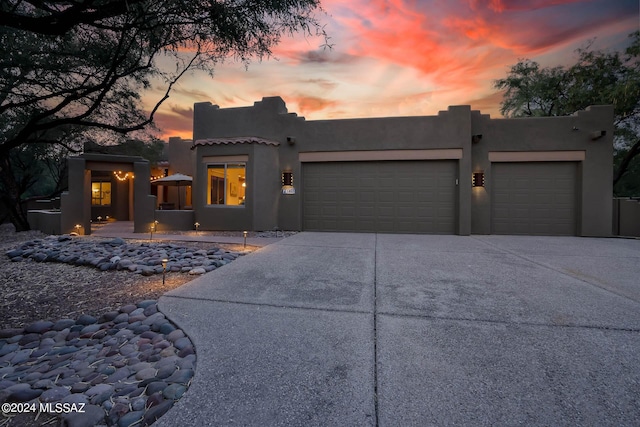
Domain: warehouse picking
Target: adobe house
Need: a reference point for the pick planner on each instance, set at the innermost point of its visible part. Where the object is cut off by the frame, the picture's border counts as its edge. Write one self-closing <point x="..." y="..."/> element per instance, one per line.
<point x="460" y="172"/>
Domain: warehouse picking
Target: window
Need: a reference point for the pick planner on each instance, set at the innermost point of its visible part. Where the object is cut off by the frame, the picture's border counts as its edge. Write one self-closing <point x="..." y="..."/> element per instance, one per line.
<point x="101" y="193"/>
<point x="226" y="184"/>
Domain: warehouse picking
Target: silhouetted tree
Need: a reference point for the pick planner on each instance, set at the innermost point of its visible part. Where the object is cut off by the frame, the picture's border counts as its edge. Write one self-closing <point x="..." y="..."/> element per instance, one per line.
<point x="74" y="70"/>
<point x="597" y="78"/>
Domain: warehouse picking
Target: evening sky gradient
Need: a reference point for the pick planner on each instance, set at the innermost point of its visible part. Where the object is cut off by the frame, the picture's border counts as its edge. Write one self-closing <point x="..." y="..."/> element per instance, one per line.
<point x="405" y="57"/>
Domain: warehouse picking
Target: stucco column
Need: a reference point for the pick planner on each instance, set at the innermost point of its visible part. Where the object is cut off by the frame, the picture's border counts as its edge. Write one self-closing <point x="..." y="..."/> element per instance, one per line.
<point x="75" y="204"/>
<point x="144" y="203"/>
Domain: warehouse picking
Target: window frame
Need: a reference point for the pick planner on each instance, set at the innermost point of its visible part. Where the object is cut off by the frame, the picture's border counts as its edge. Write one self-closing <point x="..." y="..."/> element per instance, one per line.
<point x="101" y="192"/>
<point x="225" y="180"/>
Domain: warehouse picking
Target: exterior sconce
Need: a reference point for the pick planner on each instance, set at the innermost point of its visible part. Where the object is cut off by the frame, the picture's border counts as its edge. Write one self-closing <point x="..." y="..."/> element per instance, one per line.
<point x="597" y="134"/>
<point x="476" y="138"/>
<point x="291" y="140"/>
<point x="287" y="183"/>
<point x="478" y="179"/>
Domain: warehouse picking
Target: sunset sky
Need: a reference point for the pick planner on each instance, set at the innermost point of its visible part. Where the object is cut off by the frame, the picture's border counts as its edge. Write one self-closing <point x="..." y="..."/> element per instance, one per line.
<point x="406" y="57"/>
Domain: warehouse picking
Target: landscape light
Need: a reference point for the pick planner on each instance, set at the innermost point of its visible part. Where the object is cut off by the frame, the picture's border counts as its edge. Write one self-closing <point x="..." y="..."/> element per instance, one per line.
<point x="244" y="234"/>
<point x="164" y="268"/>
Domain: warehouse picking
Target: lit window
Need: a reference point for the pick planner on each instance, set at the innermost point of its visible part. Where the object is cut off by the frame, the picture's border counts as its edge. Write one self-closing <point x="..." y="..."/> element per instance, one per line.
<point x="101" y="193"/>
<point x="226" y="184"/>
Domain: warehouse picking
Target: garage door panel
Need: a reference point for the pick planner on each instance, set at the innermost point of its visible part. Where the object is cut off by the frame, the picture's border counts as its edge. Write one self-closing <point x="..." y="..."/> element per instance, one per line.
<point x="534" y="198"/>
<point x="389" y="196"/>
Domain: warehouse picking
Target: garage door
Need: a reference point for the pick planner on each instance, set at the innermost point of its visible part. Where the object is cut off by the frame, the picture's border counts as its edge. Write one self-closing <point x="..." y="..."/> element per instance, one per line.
<point x="386" y="196"/>
<point x="534" y="198"/>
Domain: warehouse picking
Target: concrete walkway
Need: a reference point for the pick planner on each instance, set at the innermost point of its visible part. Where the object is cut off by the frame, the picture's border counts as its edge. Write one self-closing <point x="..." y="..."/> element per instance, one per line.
<point x="124" y="229"/>
<point x="349" y="329"/>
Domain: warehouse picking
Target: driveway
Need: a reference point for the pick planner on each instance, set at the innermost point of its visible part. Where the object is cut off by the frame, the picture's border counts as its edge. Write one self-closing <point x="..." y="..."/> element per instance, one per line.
<point x="400" y="330"/>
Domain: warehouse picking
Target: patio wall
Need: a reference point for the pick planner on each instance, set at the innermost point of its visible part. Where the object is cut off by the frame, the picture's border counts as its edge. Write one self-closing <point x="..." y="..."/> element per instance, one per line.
<point x="175" y="220"/>
<point x="626" y="217"/>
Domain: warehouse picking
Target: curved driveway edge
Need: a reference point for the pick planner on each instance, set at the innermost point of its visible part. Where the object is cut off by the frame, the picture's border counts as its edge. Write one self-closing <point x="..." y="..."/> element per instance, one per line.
<point x="366" y="329"/>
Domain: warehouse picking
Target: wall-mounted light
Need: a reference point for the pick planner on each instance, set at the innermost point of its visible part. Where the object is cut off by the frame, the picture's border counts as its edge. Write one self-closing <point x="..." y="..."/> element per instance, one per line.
<point x="477" y="179"/>
<point x="476" y="138"/>
<point x="291" y="140"/>
<point x="287" y="182"/>
<point x="597" y="134"/>
<point x="287" y="178"/>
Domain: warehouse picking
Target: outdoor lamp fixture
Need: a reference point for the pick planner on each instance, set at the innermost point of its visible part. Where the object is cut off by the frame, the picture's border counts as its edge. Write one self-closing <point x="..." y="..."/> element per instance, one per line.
<point x="197" y="225"/>
<point x="476" y="138"/>
<point x="478" y="179"/>
<point x="152" y="228"/>
<point x="597" y="134"/>
<point x="244" y="234"/>
<point x="164" y="268"/>
<point x="99" y="219"/>
<point x="287" y="182"/>
<point x="78" y="227"/>
<point x="287" y="178"/>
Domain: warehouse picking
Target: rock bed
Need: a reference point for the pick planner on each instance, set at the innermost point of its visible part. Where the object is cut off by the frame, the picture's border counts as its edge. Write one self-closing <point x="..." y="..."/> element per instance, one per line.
<point x="117" y="254"/>
<point x="128" y="367"/>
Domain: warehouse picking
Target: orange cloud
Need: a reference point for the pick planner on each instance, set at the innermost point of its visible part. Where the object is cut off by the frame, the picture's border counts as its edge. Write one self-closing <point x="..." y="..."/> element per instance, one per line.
<point x="309" y="104"/>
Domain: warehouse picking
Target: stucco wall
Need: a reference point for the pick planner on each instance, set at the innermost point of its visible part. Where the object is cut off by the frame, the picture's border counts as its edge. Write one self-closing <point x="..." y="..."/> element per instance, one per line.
<point x="451" y="129"/>
<point x="262" y="179"/>
<point x="572" y="133"/>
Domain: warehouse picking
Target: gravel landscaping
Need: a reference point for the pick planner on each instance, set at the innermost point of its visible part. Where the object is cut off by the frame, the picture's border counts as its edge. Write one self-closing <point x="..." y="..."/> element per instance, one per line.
<point x="79" y="325"/>
<point x="126" y="368"/>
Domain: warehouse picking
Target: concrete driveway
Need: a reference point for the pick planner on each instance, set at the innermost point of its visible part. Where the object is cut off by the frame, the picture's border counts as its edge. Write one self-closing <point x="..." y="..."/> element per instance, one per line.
<point x="400" y="330"/>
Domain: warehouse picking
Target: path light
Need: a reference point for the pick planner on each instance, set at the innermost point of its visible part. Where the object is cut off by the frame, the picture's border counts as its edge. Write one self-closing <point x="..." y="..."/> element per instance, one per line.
<point x="99" y="219"/>
<point x="244" y="234"/>
<point x="164" y="268"/>
<point x="78" y="227"/>
<point x="152" y="228"/>
<point x="197" y="225"/>
<point x="107" y="218"/>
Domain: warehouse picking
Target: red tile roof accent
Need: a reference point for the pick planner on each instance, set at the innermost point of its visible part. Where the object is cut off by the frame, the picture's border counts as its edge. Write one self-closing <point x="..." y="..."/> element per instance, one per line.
<point x="235" y="140"/>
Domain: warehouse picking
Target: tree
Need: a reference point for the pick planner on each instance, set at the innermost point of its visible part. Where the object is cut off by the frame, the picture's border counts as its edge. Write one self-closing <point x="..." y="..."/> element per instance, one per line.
<point x="72" y="71"/>
<point x="597" y="78"/>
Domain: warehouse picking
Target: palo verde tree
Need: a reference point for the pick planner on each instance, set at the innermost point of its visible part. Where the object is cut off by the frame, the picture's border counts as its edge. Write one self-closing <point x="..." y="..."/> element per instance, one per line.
<point x="75" y="70"/>
<point x="597" y="78"/>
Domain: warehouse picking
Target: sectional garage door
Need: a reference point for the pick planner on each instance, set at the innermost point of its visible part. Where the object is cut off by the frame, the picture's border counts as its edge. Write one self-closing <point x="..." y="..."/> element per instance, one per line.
<point x="534" y="198"/>
<point x="381" y="196"/>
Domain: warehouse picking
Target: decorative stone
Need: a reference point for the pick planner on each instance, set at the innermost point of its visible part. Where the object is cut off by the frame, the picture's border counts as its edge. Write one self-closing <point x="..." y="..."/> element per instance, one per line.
<point x="86" y="319"/>
<point x="39" y="327"/>
<point x="157" y="411"/>
<point x="146" y="373"/>
<point x="98" y="389"/>
<point x="131" y="418"/>
<point x="174" y="391"/>
<point x="54" y="395"/>
<point x="92" y="415"/>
